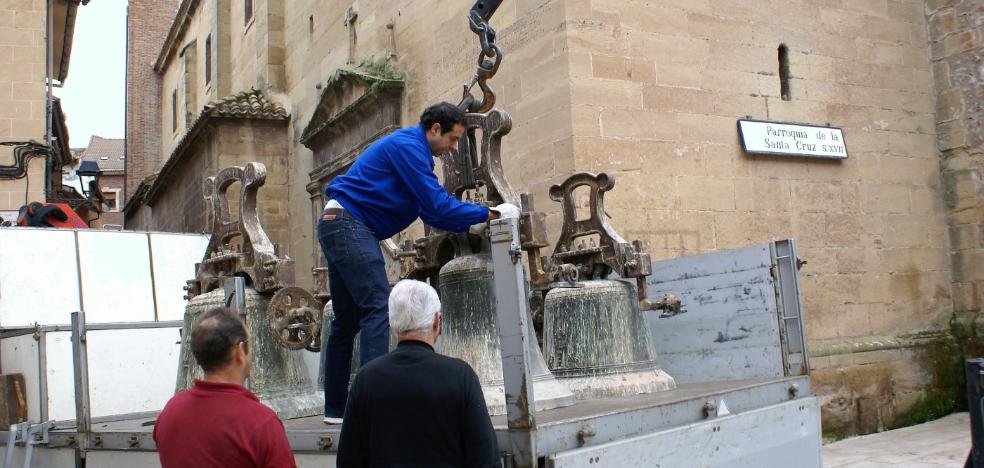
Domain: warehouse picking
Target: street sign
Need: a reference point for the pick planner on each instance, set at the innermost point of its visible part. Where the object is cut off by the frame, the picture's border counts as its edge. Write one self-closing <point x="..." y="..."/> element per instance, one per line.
<point x="783" y="139"/>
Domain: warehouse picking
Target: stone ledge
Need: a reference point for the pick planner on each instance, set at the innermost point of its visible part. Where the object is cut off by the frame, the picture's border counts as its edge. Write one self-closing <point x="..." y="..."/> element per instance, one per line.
<point x="826" y="348"/>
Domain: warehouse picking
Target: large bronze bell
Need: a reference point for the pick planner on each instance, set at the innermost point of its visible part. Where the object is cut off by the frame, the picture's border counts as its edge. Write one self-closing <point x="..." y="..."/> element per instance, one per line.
<point x="596" y="341"/>
<point x="470" y="333"/>
<point x="279" y="378"/>
<point x="329" y="315"/>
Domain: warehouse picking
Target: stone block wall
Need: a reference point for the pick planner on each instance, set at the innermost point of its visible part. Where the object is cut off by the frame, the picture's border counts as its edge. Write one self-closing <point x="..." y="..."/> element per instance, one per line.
<point x="22" y="95"/>
<point x="180" y="207"/>
<point x="957" y="57"/>
<point x="651" y="93"/>
<point x="656" y="90"/>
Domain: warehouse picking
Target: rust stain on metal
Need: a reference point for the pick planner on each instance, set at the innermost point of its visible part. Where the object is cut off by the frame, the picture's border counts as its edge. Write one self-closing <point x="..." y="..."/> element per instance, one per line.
<point x="293" y="317"/>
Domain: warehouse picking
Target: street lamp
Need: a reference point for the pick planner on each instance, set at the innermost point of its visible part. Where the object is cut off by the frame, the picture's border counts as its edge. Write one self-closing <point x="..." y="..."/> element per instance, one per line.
<point x="89" y="169"/>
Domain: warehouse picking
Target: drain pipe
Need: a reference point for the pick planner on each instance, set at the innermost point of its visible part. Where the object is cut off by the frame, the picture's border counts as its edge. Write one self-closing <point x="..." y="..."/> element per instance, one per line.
<point x="49" y="108"/>
<point x="51" y="70"/>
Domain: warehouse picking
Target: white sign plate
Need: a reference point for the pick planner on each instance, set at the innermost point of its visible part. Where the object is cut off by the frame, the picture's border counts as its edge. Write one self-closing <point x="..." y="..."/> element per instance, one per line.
<point x="773" y="138"/>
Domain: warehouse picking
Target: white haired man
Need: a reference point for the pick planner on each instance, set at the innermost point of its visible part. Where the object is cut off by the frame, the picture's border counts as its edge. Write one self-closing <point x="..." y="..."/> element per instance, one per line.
<point x="414" y="407"/>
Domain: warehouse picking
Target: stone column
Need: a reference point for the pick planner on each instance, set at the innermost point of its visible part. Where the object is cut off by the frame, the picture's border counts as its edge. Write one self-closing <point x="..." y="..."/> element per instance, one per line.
<point x="956" y="28"/>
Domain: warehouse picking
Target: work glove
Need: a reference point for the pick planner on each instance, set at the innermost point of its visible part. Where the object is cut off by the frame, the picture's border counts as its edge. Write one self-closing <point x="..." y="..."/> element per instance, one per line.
<point x="478" y="229"/>
<point x="507" y="210"/>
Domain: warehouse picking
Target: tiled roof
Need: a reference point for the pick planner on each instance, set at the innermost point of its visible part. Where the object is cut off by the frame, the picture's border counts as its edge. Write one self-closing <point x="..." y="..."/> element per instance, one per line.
<point x="106" y="152"/>
<point x="248" y="104"/>
<point x="251" y="104"/>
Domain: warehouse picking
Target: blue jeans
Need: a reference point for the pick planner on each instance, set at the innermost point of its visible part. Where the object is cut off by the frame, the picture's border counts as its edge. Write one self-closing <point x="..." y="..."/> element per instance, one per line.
<point x="359" y="294"/>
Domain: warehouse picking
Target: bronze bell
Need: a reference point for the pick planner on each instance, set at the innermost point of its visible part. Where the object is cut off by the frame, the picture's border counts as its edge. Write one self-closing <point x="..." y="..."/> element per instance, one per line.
<point x="470" y="332"/>
<point x="328" y="316"/>
<point x="596" y="341"/>
<point x="278" y="378"/>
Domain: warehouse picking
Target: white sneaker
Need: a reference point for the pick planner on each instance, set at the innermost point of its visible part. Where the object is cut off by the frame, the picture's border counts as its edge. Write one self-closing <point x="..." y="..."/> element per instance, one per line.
<point x="333" y="421"/>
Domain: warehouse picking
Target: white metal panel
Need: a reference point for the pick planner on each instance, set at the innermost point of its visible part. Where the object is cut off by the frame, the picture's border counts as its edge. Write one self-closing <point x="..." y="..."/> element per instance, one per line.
<point x="731" y="326"/>
<point x="120" y="459"/>
<point x="115" y="271"/>
<point x="19" y="355"/>
<point x="132" y="371"/>
<point x="44" y="457"/>
<point x="174" y="257"/>
<point x="777" y="436"/>
<point x="38" y="277"/>
<point x="59" y="374"/>
<point x="310" y="460"/>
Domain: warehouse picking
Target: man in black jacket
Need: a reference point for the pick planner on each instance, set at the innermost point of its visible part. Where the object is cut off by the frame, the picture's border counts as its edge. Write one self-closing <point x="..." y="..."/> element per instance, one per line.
<point x="414" y="407"/>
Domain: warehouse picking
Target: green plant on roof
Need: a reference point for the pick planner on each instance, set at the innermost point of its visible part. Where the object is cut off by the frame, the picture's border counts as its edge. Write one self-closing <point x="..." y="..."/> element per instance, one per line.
<point x="380" y="67"/>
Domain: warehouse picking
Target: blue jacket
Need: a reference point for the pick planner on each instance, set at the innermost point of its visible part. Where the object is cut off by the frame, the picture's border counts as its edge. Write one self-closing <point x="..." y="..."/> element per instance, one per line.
<point x="393" y="182"/>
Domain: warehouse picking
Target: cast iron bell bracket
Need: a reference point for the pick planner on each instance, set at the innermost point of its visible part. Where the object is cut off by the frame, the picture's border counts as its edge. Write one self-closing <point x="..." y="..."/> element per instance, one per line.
<point x="594" y="260"/>
<point x="476" y="165"/>
<point x="479" y="164"/>
<point x="294" y="316"/>
<point x="254" y="256"/>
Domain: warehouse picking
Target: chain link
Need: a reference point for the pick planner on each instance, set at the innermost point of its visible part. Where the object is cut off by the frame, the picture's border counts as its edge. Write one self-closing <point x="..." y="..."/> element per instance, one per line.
<point x="489" y="59"/>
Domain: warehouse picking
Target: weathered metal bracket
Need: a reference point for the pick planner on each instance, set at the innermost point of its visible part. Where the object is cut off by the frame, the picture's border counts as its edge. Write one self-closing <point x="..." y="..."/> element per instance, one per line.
<point x="533" y="237"/>
<point x="254" y="255"/>
<point x="479" y="164"/>
<point x="611" y="250"/>
<point x="595" y="260"/>
<point x="294" y="316"/>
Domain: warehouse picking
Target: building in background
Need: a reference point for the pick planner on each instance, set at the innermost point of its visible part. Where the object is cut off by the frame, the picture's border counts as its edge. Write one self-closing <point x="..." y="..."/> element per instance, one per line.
<point x="147" y="23"/>
<point x="107" y="154"/>
<point x="35" y="51"/>
<point x="649" y="92"/>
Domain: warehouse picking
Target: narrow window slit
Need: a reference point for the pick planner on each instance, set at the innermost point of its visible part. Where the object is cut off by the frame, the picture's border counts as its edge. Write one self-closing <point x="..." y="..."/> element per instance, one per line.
<point x="208" y="59"/>
<point x="784" y="90"/>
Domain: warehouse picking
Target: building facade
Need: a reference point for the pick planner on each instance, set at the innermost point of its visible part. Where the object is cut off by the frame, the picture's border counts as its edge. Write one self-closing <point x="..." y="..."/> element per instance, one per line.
<point x="35" y="49"/>
<point x="649" y="92"/>
<point x="108" y="154"/>
<point x="147" y="23"/>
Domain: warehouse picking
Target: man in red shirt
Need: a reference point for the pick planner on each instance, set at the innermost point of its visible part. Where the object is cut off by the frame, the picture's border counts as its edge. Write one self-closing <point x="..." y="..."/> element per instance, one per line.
<point x="217" y="422"/>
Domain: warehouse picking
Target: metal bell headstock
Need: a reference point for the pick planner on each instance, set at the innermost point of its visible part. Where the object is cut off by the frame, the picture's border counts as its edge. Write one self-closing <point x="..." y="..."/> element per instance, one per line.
<point x="597" y="258"/>
<point x="254" y="255"/>
<point x="242" y="248"/>
<point x="478" y="164"/>
<point x="472" y="173"/>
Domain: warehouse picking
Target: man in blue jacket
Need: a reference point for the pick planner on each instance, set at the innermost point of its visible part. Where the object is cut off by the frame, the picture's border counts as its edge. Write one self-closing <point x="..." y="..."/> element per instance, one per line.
<point x="389" y="186"/>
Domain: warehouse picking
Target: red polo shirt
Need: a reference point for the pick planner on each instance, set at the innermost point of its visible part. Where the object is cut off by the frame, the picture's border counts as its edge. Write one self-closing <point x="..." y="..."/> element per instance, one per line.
<point x="220" y="425"/>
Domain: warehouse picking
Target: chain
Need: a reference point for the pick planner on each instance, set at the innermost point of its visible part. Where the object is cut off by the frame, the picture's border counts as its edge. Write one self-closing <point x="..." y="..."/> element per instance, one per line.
<point x="489" y="59"/>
